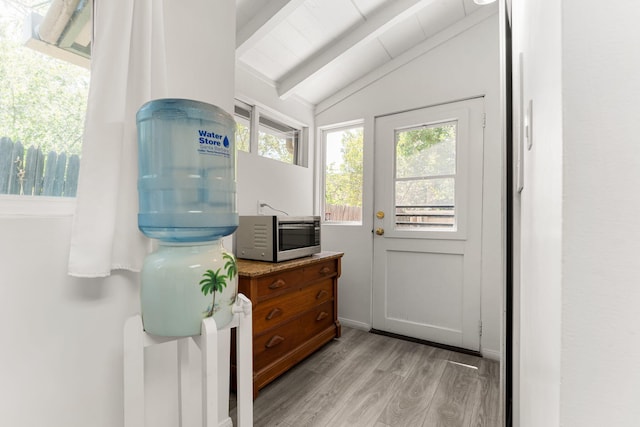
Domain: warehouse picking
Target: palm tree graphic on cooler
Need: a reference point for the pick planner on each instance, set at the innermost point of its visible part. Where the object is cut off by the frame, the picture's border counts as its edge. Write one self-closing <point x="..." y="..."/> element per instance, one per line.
<point x="213" y="281"/>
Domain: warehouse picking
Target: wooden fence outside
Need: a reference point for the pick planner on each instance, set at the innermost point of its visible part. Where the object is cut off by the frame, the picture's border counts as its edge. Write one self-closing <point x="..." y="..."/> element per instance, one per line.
<point x="31" y="172"/>
<point x="340" y="213"/>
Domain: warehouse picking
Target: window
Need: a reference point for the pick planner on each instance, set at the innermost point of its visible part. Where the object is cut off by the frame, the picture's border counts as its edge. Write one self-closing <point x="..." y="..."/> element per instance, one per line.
<point x="42" y="110"/>
<point x="272" y="138"/>
<point x="425" y="174"/>
<point x="343" y="174"/>
<point x="277" y="141"/>
<point x="243" y="126"/>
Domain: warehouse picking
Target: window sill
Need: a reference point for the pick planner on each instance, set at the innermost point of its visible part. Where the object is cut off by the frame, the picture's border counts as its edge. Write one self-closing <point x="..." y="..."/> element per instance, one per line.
<point x="36" y="206"/>
<point x="342" y="223"/>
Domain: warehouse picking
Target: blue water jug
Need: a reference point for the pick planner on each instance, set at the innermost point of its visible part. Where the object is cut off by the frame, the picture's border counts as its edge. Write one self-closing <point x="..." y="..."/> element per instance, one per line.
<point x="187" y="174"/>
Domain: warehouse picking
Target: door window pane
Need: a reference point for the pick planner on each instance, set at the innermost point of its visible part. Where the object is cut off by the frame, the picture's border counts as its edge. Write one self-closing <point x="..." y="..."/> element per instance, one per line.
<point x="426" y="151"/>
<point x="425" y="172"/>
<point x="425" y="192"/>
<point x="343" y="175"/>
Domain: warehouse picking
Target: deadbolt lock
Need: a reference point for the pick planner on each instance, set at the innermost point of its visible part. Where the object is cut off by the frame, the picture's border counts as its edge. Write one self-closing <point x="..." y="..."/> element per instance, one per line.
<point x="379" y="214"/>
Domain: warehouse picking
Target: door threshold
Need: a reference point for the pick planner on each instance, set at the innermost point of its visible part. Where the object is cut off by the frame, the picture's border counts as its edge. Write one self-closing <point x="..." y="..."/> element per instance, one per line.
<point x="425" y="342"/>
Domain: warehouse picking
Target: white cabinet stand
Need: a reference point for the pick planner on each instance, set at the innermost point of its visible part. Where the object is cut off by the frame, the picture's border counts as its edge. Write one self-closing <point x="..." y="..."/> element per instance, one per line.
<point x="135" y="341"/>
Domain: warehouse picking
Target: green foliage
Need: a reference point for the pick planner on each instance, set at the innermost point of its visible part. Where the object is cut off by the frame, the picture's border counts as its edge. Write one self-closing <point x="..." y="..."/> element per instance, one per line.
<point x="42" y="99"/>
<point x="242" y="136"/>
<point x="417" y="140"/>
<point x="343" y="182"/>
<point x="426" y="154"/>
<point x="277" y="148"/>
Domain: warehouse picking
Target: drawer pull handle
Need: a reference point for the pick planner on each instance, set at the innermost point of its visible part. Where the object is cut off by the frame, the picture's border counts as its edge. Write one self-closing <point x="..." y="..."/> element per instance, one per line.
<point x="322" y="315"/>
<point x="322" y="294"/>
<point x="277" y="284"/>
<point x="274" y="341"/>
<point x="325" y="270"/>
<point x="273" y="313"/>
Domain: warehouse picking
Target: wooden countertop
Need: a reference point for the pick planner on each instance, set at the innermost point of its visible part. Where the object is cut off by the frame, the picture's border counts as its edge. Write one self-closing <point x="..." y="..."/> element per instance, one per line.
<point x="249" y="268"/>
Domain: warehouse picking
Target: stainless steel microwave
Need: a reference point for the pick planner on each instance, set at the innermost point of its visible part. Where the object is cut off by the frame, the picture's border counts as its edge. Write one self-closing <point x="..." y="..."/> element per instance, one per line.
<point x="277" y="238"/>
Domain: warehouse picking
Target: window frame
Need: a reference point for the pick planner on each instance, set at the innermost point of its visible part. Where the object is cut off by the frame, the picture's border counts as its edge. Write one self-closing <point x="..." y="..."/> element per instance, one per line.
<point x="38" y="206"/>
<point x="243" y="106"/>
<point x="301" y="150"/>
<point x="13" y="206"/>
<point x="266" y="121"/>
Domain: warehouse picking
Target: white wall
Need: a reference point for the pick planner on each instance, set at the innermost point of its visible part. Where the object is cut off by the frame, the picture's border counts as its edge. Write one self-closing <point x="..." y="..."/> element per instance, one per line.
<point x="61" y="361"/>
<point x="601" y="204"/>
<point x="580" y="293"/>
<point x="537" y="34"/>
<point x="463" y="67"/>
<point x="285" y="187"/>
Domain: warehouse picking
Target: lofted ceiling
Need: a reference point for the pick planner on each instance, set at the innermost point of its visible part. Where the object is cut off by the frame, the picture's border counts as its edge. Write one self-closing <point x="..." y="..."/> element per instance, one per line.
<point x="320" y="51"/>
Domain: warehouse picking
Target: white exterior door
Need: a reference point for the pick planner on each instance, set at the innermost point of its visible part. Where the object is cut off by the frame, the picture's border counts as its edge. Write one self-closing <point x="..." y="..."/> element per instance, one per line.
<point x="427" y="241"/>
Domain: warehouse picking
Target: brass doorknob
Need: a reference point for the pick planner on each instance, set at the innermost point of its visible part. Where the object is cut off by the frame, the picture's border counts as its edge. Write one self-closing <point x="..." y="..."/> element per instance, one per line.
<point x="379" y="214"/>
<point x="379" y="231"/>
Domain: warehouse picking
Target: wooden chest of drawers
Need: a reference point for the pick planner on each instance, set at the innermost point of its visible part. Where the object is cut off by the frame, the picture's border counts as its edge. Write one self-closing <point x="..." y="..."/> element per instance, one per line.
<point x="294" y="310"/>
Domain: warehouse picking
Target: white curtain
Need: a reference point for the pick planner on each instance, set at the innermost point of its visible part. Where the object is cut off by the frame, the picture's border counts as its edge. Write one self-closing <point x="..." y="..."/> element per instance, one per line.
<point x="138" y="50"/>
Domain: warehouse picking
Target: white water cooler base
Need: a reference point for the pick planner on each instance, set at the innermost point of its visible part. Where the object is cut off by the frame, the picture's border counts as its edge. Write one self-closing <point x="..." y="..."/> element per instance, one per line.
<point x="135" y="341"/>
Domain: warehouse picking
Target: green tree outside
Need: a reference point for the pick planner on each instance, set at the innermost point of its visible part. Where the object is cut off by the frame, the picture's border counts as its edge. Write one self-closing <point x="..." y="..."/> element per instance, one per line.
<point x="242" y="136"/>
<point x="422" y="155"/>
<point x="343" y="181"/>
<point x="42" y="99"/>
<point x="277" y="148"/>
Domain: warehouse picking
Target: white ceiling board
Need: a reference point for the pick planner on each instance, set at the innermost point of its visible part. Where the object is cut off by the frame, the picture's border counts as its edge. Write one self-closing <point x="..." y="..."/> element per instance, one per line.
<point x="440" y="15"/>
<point x="343" y="71"/>
<point x="323" y="21"/>
<point x="293" y="40"/>
<point x="270" y="57"/>
<point x="402" y="36"/>
<point x="269" y="17"/>
<point x="378" y="23"/>
<point x="264" y="64"/>
<point x="470" y="6"/>
<point x="367" y="7"/>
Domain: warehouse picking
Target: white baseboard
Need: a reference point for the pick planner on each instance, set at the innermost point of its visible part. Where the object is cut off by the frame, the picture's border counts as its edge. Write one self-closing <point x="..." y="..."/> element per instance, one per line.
<point x="354" y="324"/>
<point x="491" y="354"/>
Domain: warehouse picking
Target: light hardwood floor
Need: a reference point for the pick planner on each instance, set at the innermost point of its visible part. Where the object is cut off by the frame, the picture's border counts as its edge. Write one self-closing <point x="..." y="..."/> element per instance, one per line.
<point x="363" y="379"/>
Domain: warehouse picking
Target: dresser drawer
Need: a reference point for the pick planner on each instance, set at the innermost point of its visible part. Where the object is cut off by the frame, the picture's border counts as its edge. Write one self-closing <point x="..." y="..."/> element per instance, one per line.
<point x="277" y="283"/>
<point x="284" y="307"/>
<point x="277" y="342"/>
<point x="320" y="271"/>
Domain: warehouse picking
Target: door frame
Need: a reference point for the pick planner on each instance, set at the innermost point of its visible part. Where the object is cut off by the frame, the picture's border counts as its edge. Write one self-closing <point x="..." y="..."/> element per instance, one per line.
<point x="460" y="108"/>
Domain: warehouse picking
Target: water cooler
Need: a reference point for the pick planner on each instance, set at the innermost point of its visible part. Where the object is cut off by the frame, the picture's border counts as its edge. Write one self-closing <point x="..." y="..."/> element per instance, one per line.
<point x="187" y="201"/>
